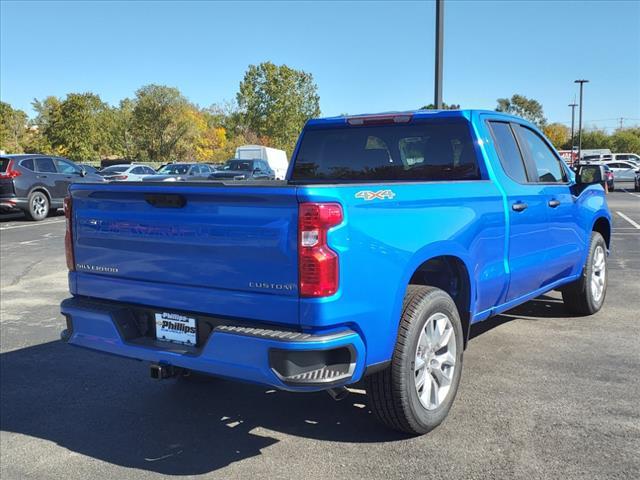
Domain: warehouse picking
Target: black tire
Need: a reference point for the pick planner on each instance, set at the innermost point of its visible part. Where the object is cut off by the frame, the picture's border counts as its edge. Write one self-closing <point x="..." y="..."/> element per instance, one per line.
<point x="37" y="206"/>
<point x="578" y="296"/>
<point x="392" y="392"/>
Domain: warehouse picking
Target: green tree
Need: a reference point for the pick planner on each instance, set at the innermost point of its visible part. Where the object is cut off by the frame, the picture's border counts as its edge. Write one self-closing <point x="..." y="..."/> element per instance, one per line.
<point x="276" y="101"/>
<point x="162" y="123"/>
<point x="524" y="107"/>
<point x="594" y="138"/>
<point x="75" y="127"/>
<point x="13" y="128"/>
<point x="626" y="140"/>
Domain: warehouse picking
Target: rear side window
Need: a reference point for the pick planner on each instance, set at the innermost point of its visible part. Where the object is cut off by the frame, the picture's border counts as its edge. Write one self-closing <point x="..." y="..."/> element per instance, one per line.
<point x="548" y="167"/>
<point x="28" y="164"/>
<point x="508" y="151"/>
<point x="45" y="165"/>
<point x="426" y="151"/>
<point x="4" y="162"/>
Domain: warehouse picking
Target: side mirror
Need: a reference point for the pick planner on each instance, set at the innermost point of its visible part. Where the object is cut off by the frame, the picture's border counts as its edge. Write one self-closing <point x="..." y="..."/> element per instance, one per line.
<point x="590" y="174"/>
<point x="83" y="172"/>
<point x="256" y="170"/>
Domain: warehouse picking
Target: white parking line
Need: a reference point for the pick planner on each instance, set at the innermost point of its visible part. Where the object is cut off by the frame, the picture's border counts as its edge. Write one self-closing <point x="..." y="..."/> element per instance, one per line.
<point x="35" y="224"/>
<point x="629" y="220"/>
<point x="634" y="194"/>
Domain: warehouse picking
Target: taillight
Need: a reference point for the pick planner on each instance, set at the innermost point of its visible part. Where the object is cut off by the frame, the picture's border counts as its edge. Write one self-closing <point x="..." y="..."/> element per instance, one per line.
<point x="317" y="263"/>
<point x="10" y="172"/>
<point x="68" y="234"/>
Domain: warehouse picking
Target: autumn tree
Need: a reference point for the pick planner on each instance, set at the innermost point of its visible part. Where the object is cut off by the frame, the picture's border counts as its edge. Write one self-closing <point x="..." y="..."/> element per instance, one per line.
<point x="276" y="101"/>
<point x="557" y="133"/>
<point x="524" y="107"/>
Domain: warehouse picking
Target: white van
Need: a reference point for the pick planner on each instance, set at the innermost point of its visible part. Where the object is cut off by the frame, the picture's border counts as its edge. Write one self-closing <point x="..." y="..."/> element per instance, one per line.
<point x="277" y="159"/>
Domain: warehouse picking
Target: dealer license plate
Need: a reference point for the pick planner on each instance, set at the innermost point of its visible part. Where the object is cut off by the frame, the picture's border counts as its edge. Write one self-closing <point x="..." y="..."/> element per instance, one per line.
<point x="172" y="327"/>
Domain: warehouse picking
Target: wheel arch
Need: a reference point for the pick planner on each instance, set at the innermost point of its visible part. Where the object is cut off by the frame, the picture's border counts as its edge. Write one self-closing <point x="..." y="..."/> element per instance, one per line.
<point x="446" y="268"/>
<point x="602" y="225"/>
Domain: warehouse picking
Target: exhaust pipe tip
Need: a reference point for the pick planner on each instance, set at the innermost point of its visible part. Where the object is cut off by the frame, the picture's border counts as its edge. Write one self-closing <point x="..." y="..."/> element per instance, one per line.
<point x="338" y="393"/>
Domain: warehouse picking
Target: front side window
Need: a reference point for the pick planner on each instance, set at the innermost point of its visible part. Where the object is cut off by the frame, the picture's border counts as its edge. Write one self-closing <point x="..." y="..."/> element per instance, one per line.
<point x="508" y="151"/>
<point x="547" y="165"/>
<point x="66" y="167"/>
<point x="425" y="151"/>
<point x="45" y="165"/>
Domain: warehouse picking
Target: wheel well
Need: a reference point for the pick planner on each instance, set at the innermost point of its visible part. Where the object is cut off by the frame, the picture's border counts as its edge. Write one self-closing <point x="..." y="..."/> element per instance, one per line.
<point x="450" y="274"/>
<point x="43" y="190"/>
<point x="603" y="228"/>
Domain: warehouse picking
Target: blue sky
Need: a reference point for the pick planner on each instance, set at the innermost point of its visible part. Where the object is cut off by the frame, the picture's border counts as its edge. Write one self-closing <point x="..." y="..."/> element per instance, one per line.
<point x="365" y="56"/>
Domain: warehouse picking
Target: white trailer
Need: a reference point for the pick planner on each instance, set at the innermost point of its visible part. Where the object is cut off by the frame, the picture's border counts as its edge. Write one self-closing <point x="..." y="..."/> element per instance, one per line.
<point x="277" y="159"/>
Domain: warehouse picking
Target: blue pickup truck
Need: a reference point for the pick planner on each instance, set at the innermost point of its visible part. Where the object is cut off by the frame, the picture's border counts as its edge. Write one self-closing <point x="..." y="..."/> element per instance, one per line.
<point x="391" y="235"/>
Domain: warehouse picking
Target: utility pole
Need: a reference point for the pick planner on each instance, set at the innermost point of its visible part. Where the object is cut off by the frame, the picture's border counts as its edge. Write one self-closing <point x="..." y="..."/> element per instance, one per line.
<point x="437" y="98"/>
<point x="621" y="120"/>
<point x="573" y="120"/>
<point x="581" y="82"/>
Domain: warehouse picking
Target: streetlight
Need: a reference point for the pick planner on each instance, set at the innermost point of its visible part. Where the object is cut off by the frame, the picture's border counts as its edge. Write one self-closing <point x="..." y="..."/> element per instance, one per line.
<point x="581" y="82"/>
<point x="437" y="94"/>
<point x="573" y="117"/>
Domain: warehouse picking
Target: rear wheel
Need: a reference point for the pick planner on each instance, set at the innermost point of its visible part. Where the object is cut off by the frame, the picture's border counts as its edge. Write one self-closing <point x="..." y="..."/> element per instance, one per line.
<point x="38" y="206"/>
<point x="414" y="394"/>
<point x="586" y="295"/>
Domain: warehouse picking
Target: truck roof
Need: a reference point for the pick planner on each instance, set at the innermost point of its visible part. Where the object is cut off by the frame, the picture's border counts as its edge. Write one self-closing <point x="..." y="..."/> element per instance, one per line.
<point x="416" y="114"/>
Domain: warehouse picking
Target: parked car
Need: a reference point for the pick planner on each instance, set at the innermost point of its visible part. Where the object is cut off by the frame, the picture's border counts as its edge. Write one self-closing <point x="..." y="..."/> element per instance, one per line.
<point x="623" y="171"/>
<point x="127" y="172"/>
<point x="244" y="170"/>
<point x="37" y="184"/>
<point x="610" y="178"/>
<point x="180" y="172"/>
<point x="275" y="159"/>
<point x="393" y="234"/>
<point x="626" y="157"/>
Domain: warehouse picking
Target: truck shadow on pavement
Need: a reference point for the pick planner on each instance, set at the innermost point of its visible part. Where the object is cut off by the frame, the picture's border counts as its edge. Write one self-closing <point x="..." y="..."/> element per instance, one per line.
<point x="545" y="306"/>
<point x="108" y="409"/>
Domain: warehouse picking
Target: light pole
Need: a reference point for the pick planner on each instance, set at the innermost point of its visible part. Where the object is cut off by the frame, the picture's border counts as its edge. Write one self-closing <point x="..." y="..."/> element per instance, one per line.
<point x="581" y="82"/>
<point x="573" y="119"/>
<point x="437" y="96"/>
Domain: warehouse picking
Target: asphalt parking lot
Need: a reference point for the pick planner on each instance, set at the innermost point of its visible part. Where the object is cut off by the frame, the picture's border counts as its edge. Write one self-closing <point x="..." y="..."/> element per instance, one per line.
<point x="543" y="395"/>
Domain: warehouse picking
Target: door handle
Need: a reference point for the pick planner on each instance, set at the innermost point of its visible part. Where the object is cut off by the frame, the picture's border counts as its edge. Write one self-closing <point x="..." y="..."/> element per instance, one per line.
<point x="41" y="176"/>
<point x="519" y="206"/>
<point x="554" y="203"/>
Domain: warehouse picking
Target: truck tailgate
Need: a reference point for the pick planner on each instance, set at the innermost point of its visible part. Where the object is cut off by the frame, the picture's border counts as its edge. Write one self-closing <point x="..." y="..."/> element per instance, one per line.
<point x="241" y="240"/>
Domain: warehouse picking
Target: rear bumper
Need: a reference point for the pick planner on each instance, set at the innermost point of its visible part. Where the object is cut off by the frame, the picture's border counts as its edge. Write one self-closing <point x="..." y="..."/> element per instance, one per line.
<point x="9" y="203"/>
<point x="284" y="359"/>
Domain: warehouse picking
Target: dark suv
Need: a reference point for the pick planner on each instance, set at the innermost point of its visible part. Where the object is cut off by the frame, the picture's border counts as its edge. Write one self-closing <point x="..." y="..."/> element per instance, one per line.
<point x="37" y="184"/>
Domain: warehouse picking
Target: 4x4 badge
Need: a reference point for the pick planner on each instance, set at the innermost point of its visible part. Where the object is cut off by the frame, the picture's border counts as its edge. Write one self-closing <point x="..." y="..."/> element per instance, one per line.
<point x="380" y="194"/>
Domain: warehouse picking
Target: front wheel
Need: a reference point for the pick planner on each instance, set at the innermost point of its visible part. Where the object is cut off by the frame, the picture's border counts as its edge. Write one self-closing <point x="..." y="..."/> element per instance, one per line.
<point x="414" y="393"/>
<point x="586" y="295"/>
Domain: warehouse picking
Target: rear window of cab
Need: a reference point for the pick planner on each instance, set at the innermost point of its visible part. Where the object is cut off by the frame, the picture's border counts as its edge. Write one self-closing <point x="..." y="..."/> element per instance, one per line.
<point x="425" y="151"/>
